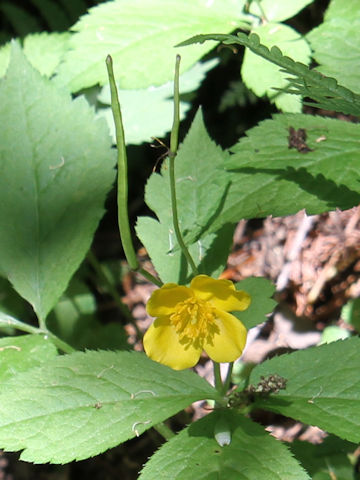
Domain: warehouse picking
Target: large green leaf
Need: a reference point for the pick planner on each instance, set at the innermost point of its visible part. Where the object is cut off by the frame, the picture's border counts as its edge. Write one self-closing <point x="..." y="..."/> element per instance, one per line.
<point x="269" y="178"/>
<point x="201" y="184"/>
<point x="81" y="404"/>
<point x="56" y="168"/>
<point x="140" y="35"/>
<point x="19" y="354"/>
<point x="323" y="387"/>
<point x="335" y="46"/>
<point x="148" y="112"/>
<point x="252" y="454"/>
<point x="264" y="77"/>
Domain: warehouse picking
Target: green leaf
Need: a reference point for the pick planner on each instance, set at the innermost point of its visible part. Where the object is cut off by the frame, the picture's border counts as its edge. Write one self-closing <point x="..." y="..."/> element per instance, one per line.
<point x="264" y="77"/>
<point x="305" y="82"/>
<point x="333" y="333"/>
<point x="350" y="313"/>
<point x="269" y="178"/>
<point x="326" y="461"/>
<point x="252" y="454"/>
<point x="140" y="36"/>
<point x="148" y="112"/>
<point x="334" y="48"/>
<point x="57" y="167"/>
<point x="261" y="290"/>
<point x="323" y="387"/>
<point x="81" y="404"/>
<point x="45" y="50"/>
<point x="278" y="11"/>
<point x="19" y="354"/>
<point x="339" y="9"/>
<point x="4" y="58"/>
<point x="201" y="186"/>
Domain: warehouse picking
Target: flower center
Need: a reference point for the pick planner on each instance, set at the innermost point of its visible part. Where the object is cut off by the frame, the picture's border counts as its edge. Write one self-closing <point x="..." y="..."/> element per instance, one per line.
<point x="194" y="322"/>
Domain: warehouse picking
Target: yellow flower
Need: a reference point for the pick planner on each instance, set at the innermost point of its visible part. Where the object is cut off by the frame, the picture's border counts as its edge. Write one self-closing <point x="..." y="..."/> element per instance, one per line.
<point x="192" y="319"/>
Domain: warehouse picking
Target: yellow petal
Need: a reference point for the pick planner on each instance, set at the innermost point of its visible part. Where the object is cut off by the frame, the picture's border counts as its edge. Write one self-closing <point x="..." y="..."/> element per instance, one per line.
<point x="161" y="344"/>
<point x="220" y="293"/>
<point x="229" y="344"/>
<point x="163" y="301"/>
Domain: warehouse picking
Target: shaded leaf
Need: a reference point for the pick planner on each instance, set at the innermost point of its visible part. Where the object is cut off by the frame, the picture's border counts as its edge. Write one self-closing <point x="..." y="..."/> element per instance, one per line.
<point x="261" y="290"/>
<point x="56" y="168"/>
<point x="326" y="461"/>
<point x="269" y="178"/>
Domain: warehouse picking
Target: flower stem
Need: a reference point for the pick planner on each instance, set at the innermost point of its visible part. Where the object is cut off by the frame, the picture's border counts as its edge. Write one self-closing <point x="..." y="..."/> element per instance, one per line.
<point x="8" y="321"/>
<point x="217" y="376"/>
<point x="228" y="378"/>
<point x="174" y="139"/>
<point x="122" y="181"/>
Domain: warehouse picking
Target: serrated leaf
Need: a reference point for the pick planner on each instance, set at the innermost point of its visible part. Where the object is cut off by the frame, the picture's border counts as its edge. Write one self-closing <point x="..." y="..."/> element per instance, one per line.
<point x="330" y="458"/>
<point x="201" y="184"/>
<point x="81" y="404"/>
<point x="263" y="77"/>
<point x="57" y="167"/>
<point x="45" y="50"/>
<point x="304" y="82"/>
<point x="148" y="112"/>
<point x="323" y="387"/>
<point x="4" y="58"/>
<point x="261" y="290"/>
<point x="334" y="48"/>
<point x="252" y="454"/>
<point x="140" y="36"/>
<point x="269" y="178"/>
<point x="19" y="354"/>
<point x="278" y="11"/>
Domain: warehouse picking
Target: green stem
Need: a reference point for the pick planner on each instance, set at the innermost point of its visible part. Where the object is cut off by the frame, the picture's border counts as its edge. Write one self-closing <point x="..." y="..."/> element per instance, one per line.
<point x="94" y="262"/>
<point x="164" y="430"/>
<point x="174" y="140"/>
<point x="217" y="376"/>
<point x="122" y="182"/>
<point x="60" y="344"/>
<point x="8" y="321"/>
<point x="228" y="378"/>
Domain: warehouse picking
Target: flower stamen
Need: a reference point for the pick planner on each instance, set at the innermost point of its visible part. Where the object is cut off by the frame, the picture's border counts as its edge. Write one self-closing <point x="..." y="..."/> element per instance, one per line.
<point x="194" y="320"/>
